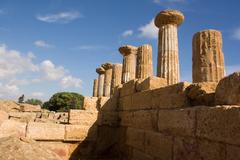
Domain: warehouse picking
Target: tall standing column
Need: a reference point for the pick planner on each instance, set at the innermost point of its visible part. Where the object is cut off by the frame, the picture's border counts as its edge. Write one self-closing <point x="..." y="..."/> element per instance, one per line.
<point x="129" y="62"/>
<point x="108" y="79"/>
<point x="144" y="61"/>
<point x="207" y="58"/>
<point x="101" y="72"/>
<point x="95" y="87"/>
<point x="168" y="63"/>
<point x="116" y="76"/>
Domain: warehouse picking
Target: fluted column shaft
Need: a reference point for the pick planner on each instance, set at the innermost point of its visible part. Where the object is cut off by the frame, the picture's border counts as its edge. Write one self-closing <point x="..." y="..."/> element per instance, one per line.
<point x="168" y="61"/>
<point x="101" y="78"/>
<point x="208" y="58"/>
<point x="144" y="62"/>
<point x="129" y="68"/>
<point x="116" y="76"/>
<point x="95" y="87"/>
<point x="107" y="83"/>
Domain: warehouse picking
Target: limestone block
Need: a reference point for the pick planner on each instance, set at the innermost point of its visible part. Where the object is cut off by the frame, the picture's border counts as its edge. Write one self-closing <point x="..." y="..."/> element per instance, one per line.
<point x="29" y="108"/>
<point x="125" y="103"/>
<point x="8" y="106"/>
<point x="201" y="93"/>
<point x="177" y="122"/>
<point x="150" y="83"/>
<point x="233" y="152"/>
<point x="61" y="117"/>
<point x="90" y="103"/>
<point x="145" y="119"/>
<point x="128" y="88"/>
<point x="111" y="104"/>
<point x="192" y="149"/>
<point x="3" y="116"/>
<point x="135" y="138"/>
<point x="142" y="100"/>
<point x="11" y="127"/>
<point x="82" y="117"/>
<point x="126" y="118"/>
<point x="23" y="116"/>
<point x="45" y="131"/>
<point x="158" y="145"/>
<point x="80" y="132"/>
<point x="110" y="118"/>
<point x="221" y="123"/>
<point x="171" y="96"/>
<point x="139" y="155"/>
<point x="228" y="91"/>
<point x="102" y="102"/>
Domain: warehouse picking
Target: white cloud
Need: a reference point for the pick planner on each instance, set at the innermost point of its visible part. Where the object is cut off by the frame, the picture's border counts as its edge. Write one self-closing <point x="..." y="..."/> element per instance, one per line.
<point x="62" y="17"/>
<point x="236" y="34"/>
<point x="37" y="94"/>
<point x="149" y="30"/>
<point x="8" y="91"/>
<point x="70" y="81"/>
<point x="168" y="1"/>
<point x="127" y="33"/>
<point x="42" y="44"/>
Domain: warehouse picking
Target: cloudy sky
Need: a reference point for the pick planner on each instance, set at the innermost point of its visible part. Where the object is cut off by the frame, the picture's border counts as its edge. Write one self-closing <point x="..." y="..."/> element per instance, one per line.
<point x="49" y="46"/>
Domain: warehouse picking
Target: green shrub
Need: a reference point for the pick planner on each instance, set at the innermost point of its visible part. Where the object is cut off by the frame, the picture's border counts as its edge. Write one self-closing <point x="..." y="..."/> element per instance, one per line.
<point x="34" y="101"/>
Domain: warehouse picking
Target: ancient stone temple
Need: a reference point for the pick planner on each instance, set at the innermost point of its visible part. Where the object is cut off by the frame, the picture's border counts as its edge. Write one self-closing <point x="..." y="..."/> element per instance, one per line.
<point x="129" y="62"/>
<point x="95" y="87"/>
<point x="107" y="79"/>
<point x="144" y="62"/>
<point x="100" y="72"/>
<point x="207" y="58"/>
<point x="116" y="76"/>
<point x="168" y="63"/>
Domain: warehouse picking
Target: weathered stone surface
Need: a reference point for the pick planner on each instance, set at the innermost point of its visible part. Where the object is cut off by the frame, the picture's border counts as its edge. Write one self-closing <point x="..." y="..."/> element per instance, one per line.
<point x="82" y="117"/>
<point x="135" y="138"/>
<point x="45" y="131"/>
<point x="24" y="149"/>
<point x="158" y="145"/>
<point x="90" y="103"/>
<point x="202" y="93"/>
<point x="125" y="103"/>
<point x="145" y="119"/>
<point x="128" y="88"/>
<point x="168" y="63"/>
<point x="142" y="100"/>
<point x="233" y="152"/>
<point x="177" y="122"/>
<point x="101" y="77"/>
<point x="8" y="106"/>
<point x="189" y="149"/>
<point x="228" y="91"/>
<point x="208" y="58"/>
<point x="3" y="116"/>
<point x="126" y="118"/>
<point x="139" y="155"/>
<point x="144" y="62"/>
<point x="80" y="132"/>
<point x="11" y="127"/>
<point x="221" y="123"/>
<point x="110" y="118"/>
<point x="107" y="79"/>
<point x="29" y="108"/>
<point x="23" y="116"/>
<point x="150" y="83"/>
<point x="95" y="87"/>
<point x="173" y="96"/>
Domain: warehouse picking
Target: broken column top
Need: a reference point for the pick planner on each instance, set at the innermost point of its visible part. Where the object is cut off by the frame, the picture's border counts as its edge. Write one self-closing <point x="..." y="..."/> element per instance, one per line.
<point x="207" y="31"/>
<point x="127" y="49"/>
<point x="169" y="16"/>
<point x="107" y="66"/>
<point x="100" y="70"/>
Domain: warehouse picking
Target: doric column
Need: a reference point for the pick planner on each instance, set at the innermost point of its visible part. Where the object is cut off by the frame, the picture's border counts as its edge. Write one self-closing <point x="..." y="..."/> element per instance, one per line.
<point x="129" y="62"/>
<point x="144" y="61"/>
<point x="108" y="79"/>
<point x="116" y="76"/>
<point x="101" y="72"/>
<point x="95" y="87"/>
<point x="168" y="63"/>
<point x="207" y="58"/>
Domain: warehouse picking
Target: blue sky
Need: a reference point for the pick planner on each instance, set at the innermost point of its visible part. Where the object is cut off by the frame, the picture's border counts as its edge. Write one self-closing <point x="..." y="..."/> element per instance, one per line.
<point x="49" y="46"/>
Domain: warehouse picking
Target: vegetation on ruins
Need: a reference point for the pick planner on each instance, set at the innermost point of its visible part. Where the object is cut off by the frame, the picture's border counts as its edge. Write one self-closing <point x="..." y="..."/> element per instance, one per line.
<point x="34" y="101"/>
<point x="63" y="101"/>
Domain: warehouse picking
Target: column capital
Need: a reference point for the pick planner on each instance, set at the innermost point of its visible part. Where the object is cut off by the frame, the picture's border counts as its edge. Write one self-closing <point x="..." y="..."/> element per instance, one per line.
<point x="169" y="16"/>
<point x="127" y="49"/>
<point x="107" y="66"/>
<point x="100" y="70"/>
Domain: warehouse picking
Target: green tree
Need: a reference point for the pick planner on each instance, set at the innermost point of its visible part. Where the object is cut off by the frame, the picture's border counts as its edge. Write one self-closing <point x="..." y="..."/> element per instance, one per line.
<point x="64" y="101"/>
<point x="34" y="101"/>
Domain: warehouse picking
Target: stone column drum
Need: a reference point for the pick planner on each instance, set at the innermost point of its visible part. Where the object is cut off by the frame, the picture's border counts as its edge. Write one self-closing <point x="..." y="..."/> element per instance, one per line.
<point x="129" y="62"/>
<point x="168" y="63"/>
<point x="95" y="87"/>
<point x="144" y="62"/>
<point x="116" y="76"/>
<point x="108" y="79"/>
<point x="101" y="72"/>
<point x="207" y="56"/>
